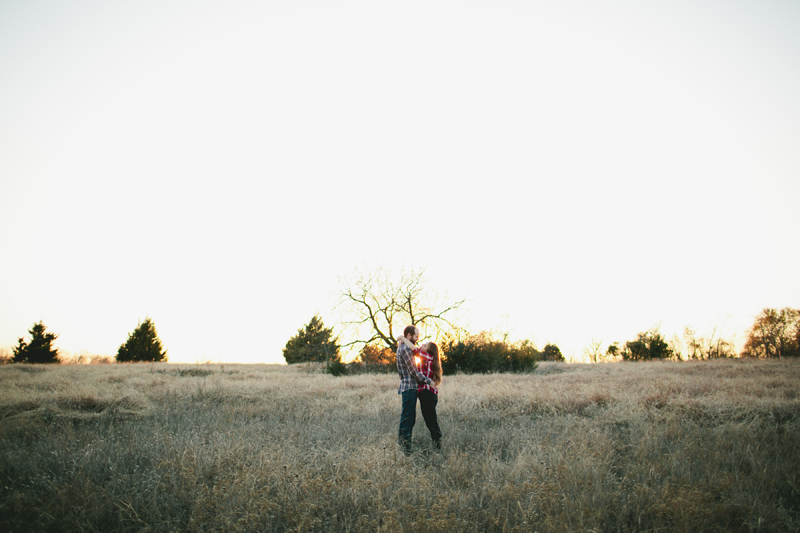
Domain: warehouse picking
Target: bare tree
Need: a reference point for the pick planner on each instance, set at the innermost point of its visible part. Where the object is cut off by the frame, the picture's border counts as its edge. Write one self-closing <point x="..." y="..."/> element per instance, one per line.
<point x="594" y="351"/>
<point x="377" y="304"/>
<point x="676" y="346"/>
<point x="694" y="344"/>
<point x="713" y="347"/>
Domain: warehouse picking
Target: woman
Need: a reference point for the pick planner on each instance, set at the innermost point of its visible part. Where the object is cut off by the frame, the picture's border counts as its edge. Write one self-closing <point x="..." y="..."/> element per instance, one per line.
<point x="429" y="364"/>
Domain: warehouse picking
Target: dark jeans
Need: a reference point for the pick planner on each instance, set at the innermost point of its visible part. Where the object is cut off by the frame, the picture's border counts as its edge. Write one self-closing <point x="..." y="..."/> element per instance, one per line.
<point x="407" y="418"/>
<point x="427" y="403"/>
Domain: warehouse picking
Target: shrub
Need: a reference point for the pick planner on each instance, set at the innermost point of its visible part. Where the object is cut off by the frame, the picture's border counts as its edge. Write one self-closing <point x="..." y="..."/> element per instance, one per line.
<point x="142" y="345"/>
<point x="647" y="346"/>
<point x="480" y="353"/>
<point x="552" y="352"/>
<point x="39" y="350"/>
<point x="337" y="368"/>
<point x="523" y="357"/>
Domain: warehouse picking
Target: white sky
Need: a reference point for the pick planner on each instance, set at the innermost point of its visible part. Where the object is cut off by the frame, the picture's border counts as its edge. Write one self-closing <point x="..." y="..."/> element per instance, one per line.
<point x="578" y="169"/>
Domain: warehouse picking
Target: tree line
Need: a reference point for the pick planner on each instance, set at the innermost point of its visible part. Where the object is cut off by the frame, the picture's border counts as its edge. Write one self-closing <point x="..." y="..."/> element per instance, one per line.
<point x="142" y="344"/>
<point x="377" y="306"/>
<point x="775" y="333"/>
<point x="479" y="353"/>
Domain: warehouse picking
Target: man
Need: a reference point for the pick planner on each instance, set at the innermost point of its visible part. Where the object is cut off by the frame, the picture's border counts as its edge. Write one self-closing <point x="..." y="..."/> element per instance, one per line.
<point x="409" y="380"/>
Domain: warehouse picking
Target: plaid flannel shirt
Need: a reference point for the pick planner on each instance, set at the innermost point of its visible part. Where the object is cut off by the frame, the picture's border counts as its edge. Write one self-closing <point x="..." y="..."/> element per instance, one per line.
<point x="426" y="369"/>
<point x="409" y="377"/>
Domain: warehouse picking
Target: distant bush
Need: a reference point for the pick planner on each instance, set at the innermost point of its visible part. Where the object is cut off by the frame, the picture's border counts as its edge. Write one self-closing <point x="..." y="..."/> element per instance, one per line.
<point x="337" y="368"/>
<point x="142" y="345"/>
<point x="478" y="354"/>
<point x="552" y="352"/>
<point x="40" y="349"/>
<point x="647" y="346"/>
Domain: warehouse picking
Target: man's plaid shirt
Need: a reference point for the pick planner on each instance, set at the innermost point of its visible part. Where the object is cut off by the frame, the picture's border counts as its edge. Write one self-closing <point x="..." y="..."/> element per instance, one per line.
<point x="409" y="377"/>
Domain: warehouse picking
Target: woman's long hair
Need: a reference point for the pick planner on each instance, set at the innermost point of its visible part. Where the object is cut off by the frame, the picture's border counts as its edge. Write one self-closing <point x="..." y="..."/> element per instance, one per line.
<point x="436" y="366"/>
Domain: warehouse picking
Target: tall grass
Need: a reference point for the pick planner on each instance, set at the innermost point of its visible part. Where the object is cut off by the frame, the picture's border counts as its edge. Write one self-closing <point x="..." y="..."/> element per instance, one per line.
<point x="711" y="446"/>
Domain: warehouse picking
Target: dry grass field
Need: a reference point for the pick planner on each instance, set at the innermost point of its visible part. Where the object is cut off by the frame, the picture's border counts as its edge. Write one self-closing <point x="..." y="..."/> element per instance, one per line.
<point x="669" y="446"/>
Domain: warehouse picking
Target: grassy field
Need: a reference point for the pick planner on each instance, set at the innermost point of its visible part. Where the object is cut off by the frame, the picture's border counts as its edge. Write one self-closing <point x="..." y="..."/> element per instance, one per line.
<point x="672" y="446"/>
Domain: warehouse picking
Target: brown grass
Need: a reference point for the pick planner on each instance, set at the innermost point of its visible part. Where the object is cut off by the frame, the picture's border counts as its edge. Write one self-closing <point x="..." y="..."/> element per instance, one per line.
<point x="691" y="446"/>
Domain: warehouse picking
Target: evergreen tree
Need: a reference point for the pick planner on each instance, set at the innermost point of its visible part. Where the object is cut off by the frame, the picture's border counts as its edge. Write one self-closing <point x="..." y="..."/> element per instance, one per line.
<point x="39" y="350"/>
<point x="552" y="352"/>
<point x="313" y="342"/>
<point x="142" y="345"/>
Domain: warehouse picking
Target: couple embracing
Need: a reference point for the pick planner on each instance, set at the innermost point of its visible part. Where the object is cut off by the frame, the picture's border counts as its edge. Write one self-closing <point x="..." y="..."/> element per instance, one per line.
<point x="420" y="374"/>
